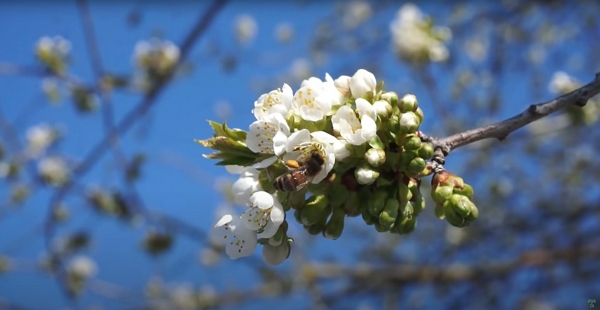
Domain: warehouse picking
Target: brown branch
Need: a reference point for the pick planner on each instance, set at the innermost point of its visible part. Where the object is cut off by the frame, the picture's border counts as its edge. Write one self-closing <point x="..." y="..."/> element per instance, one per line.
<point x="501" y="130"/>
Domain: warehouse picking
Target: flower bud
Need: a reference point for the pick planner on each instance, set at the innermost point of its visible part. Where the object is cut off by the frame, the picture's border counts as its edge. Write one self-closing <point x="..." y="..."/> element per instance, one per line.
<point x="377" y="202"/>
<point x="408" y="103"/>
<point x="275" y="255"/>
<point x="390" y="97"/>
<point x="361" y="83"/>
<point x="318" y="227"/>
<point x="466" y="190"/>
<point x="352" y="204"/>
<point x="394" y="123"/>
<point x="426" y="151"/>
<point x="367" y="217"/>
<point x="388" y="216"/>
<point x="416" y="165"/>
<point x="365" y="175"/>
<point x="382" y="108"/>
<point x="409" y="122"/>
<point x="315" y="209"/>
<point x="375" y="157"/>
<point x="441" y="193"/>
<point x="335" y="225"/>
<point x="404" y="194"/>
<point x="157" y="243"/>
<point x="413" y="143"/>
<point x="420" y="114"/>
<point x="460" y="211"/>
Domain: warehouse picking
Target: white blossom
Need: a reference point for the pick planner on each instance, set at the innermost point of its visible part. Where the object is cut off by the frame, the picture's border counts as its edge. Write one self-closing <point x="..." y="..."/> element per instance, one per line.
<point x="53" y="170"/>
<point x="265" y="214"/>
<point x="56" y="46"/>
<point x="356" y="129"/>
<point x="246" y="29"/>
<point x="313" y="101"/>
<point x="277" y="101"/>
<point x="268" y="136"/>
<point x="562" y="83"/>
<point x="415" y="39"/>
<point x="39" y="138"/>
<point x="326" y="140"/>
<point x="239" y="241"/>
<point x="245" y="186"/>
<point x="361" y="83"/>
<point x="82" y="266"/>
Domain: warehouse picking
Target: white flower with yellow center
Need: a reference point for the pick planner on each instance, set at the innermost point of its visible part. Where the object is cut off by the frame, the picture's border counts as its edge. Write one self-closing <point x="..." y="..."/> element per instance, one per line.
<point x="304" y="137"/>
<point x="265" y="214"/>
<point x="313" y="101"/>
<point x="356" y="129"/>
<point x="268" y="136"/>
<point x="239" y="240"/>
<point x="276" y="101"/>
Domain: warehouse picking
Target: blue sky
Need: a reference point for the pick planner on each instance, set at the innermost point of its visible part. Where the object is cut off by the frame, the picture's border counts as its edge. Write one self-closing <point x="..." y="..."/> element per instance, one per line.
<point x="176" y="179"/>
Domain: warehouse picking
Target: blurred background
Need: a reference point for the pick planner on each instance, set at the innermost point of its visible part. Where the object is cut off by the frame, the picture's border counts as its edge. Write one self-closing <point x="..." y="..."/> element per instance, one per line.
<point x="106" y="202"/>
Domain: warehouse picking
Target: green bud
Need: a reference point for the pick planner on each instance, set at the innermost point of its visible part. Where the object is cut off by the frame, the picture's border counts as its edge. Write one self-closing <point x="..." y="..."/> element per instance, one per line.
<point x="388" y="216"/>
<point x="418" y="204"/>
<point x="416" y="165"/>
<point x="408" y="103"/>
<point x="404" y="193"/>
<point x="318" y="227"/>
<point x="335" y="225"/>
<point x="426" y="151"/>
<point x="409" y="122"/>
<point x="367" y="217"/>
<point x="352" y="204"/>
<point x="420" y="114"/>
<point x="441" y="193"/>
<point x="460" y="211"/>
<point x="412" y="143"/>
<point x="337" y="194"/>
<point x="466" y="190"/>
<point x="407" y="225"/>
<point x="439" y="211"/>
<point x="407" y="157"/>
<point x="375" y="157"/>
<point x="297" y="199"/>
<point x="365" y="174"/>
<point x="317" y="207"/>
<point x="390" y="97"/>
<point x="394" y="123"/>
<point x="378" y="202"/>
<point x="380" y="228"/>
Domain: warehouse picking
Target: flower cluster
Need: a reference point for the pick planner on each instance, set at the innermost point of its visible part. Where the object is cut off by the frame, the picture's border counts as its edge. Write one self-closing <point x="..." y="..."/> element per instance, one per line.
<point x="154" y="59"/>
<point x="331" y="149"/>
<point x="415" y="39"/>
<point x="53" y="53"/>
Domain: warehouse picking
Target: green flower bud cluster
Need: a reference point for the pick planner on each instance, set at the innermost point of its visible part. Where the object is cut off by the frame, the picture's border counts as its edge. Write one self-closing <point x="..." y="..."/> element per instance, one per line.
<point x="394" y="208"/>
<point x="452" y="197"/>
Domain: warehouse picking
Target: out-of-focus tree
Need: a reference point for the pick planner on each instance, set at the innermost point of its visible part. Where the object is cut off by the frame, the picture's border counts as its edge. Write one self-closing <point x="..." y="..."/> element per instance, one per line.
<point x="533" y="245"/>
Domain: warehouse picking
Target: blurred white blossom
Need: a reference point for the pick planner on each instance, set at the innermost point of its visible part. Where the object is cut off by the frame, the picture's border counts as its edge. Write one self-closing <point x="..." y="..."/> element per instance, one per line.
<point x="246" y="29"/>
<point x="53" y="170"/>
<point x="415" y="38"/>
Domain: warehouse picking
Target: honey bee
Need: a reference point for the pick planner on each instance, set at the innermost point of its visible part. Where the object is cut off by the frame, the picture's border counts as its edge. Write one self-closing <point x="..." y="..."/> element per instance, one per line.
<point x="303" y="170"/>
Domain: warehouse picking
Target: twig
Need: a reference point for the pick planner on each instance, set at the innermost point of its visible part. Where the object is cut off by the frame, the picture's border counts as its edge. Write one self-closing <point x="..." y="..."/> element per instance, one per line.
<point x="501" y="130"/>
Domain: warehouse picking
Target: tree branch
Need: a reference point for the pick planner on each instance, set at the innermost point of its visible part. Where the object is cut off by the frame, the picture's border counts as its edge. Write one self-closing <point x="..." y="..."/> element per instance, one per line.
<point x="501" y="130"/>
